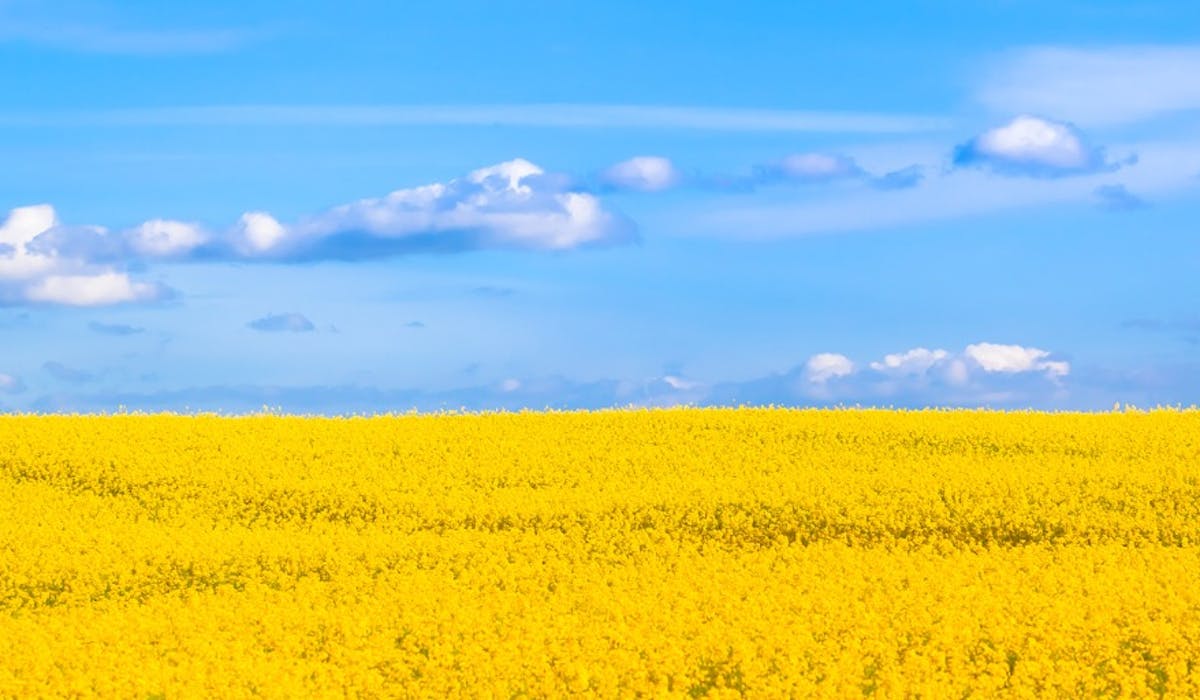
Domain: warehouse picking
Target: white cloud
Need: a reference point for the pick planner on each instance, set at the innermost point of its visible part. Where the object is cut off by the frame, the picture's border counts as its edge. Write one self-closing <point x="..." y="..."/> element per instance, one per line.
<point x="42" y="274"/>
<point x="165" y="238"/>
<point x="100" y="289"/>
<point x="981" y="373"/>
<point x="915" y="361"/>
<point x="993" y="357"/>
<point x="1097" y="86"/>
<point x="825" y="366"/>
<point x="257" y="232"/>
<point x="642" y="173"/>
<point x="513" y="205"/>
<point x="913" y="378"/>
<point x="1029" y="145"/>
<point x="18" y="231"/>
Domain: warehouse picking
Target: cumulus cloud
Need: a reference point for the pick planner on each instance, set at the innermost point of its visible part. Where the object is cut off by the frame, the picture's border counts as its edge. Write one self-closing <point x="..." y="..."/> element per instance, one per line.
<point x="982" y="373"/>
<point x="100" y="289"/>
<point x="825" y="366"/>
<point x="993" y="357"/>
<point x="642" y="174"/>
<point x="256" y="233"/>
<point x="512" y="205"/>
<point x="1032" y="146"/>
<point x="162" y="238"/>
<point x="34" y="269"/>
<point x="283" y="323"/>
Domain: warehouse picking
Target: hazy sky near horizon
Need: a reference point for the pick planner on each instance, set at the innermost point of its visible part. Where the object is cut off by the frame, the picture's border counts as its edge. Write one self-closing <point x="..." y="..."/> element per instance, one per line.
<point x="371" y="206"/>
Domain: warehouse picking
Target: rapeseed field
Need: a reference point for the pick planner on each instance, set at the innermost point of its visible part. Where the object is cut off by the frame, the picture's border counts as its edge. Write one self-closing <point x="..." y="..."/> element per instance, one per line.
<point x="665" y="553"/>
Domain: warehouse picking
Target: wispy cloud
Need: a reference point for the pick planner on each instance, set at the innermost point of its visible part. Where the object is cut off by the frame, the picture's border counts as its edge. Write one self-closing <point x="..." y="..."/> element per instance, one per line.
<point x="1162" y="169"/>
<point x="819" y="168"/>
<point x="46" y="25"/>
<point x="564" y="116"/>
<point x="655" y="173"/>
<point x="1095" y="86"/>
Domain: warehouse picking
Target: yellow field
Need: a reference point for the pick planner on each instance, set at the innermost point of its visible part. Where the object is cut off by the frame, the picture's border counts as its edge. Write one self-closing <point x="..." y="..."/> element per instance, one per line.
<point x="621" y="554"/>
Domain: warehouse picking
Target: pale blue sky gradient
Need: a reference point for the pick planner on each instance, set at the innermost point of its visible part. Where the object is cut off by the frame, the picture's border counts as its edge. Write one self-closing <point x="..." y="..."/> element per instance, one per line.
<point x="847" y="181"/>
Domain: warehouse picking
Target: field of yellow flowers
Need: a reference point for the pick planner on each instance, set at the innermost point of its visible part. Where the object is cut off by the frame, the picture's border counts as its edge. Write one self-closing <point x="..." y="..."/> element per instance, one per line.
<point x="672" y="553"/>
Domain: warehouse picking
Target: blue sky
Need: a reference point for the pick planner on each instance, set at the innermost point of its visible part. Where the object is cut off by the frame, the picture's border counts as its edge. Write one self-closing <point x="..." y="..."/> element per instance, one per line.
<point x="381" y="206"/>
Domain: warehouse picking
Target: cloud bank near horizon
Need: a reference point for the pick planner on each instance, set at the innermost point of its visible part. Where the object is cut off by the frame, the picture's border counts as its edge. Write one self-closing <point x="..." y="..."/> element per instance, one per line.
<point x="981" y="375"/>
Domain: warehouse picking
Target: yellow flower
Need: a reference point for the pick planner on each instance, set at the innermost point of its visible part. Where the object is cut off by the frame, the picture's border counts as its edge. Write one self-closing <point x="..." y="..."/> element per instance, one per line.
<point x="665" y="553"/>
